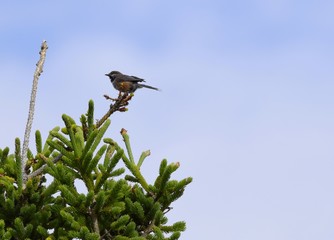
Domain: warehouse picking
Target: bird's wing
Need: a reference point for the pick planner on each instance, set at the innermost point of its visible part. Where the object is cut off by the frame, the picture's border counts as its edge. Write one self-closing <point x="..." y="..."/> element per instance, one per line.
<point x="137" y="79"/>
<point x="126" y="78"/>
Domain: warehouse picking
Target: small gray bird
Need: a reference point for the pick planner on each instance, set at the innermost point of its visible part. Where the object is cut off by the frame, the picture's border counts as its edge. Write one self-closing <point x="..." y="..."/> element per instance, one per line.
<point x="127" y="84"/>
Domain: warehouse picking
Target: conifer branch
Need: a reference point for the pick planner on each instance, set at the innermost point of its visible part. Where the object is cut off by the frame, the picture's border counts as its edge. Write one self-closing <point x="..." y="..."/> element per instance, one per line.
<point x="148" y="229"/>
<point x="127" y="144"/>
<point x="38" y="72"/>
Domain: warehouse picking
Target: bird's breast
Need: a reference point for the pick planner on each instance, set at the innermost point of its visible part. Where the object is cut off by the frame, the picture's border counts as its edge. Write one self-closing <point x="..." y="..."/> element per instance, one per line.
<point x="124" y="86"/>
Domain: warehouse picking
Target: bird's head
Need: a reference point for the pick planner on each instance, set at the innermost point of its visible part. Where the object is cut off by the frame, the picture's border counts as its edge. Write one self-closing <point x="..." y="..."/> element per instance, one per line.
<point x="112" y="75"/>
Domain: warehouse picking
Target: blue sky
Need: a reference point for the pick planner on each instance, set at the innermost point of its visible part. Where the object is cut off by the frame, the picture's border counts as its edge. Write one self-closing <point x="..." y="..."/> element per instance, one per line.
<point x="246" y="105"/>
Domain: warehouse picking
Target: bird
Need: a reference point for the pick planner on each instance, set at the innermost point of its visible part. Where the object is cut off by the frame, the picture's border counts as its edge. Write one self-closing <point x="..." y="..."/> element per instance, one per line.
<point x="127" y="84"/>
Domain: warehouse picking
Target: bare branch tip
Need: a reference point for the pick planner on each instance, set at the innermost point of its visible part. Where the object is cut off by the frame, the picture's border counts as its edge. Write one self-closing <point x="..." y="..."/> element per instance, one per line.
<point x="44" y="45"/>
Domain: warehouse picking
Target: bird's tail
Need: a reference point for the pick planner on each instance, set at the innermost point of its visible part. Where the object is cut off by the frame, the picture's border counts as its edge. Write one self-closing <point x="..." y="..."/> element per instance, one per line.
<point x="147" y="86"/>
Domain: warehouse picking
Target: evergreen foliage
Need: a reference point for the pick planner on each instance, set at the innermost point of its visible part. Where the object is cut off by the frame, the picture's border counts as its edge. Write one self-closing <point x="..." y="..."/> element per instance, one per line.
<point x="119" y="203"/>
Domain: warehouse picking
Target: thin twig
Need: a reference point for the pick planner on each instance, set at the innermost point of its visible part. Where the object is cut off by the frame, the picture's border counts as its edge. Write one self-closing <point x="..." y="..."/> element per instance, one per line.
<point x="38" y="71"/>
<point x="41" y="169"/>
<point x="106" y="235"/>
<point x="119" y="105"/>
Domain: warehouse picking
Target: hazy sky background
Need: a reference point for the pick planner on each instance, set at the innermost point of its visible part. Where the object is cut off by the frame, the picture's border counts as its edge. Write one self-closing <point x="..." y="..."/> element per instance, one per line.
<point x="246" y="107"/>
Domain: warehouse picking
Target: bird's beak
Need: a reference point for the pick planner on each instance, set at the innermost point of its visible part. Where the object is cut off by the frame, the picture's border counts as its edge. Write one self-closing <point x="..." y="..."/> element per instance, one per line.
<point x="107" y="74"/>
